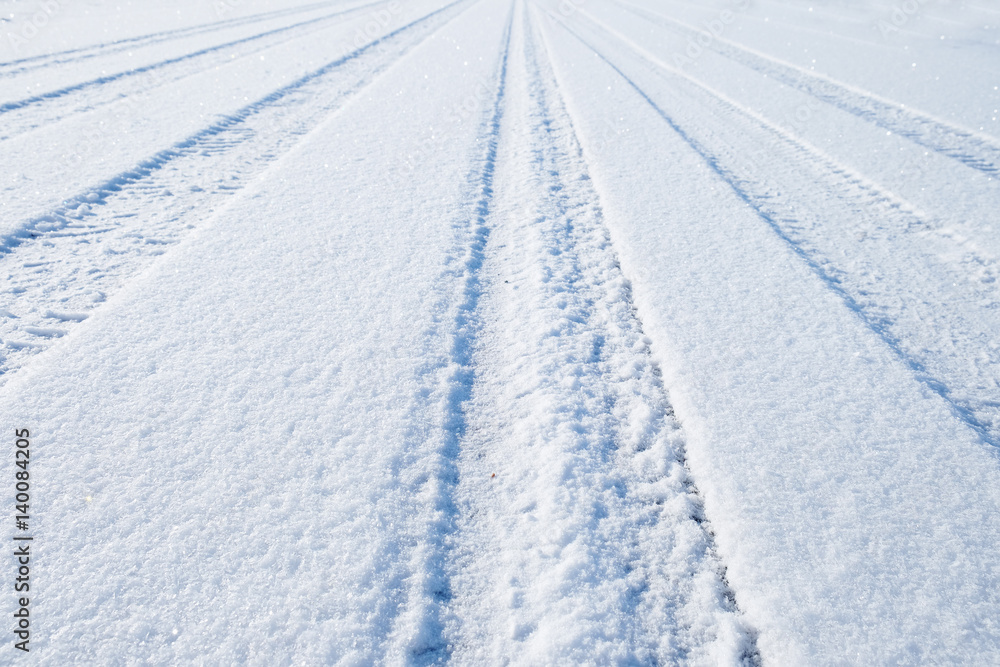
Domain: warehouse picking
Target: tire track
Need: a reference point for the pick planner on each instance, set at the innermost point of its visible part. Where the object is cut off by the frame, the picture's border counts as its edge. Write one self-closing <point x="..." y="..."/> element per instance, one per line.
<point x="630" y="327"/>
<point x="30" y="113"/>
<point x="419" y="635"/>
<point x="974" y="150"/>
<point x="13" y="68"/>
<point x="961" y="360"/>
<point x="67" y="262"/>
<point x="572" y="495"/>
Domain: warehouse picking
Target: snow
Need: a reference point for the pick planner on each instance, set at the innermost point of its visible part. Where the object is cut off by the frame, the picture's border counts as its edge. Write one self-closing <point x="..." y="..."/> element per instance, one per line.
<point x="845" y="519"/>
<point x="493" y="332"/>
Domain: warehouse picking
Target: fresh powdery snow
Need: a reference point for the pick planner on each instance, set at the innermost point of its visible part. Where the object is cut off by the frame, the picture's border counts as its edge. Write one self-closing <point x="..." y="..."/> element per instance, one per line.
<point x="529" y="332"/>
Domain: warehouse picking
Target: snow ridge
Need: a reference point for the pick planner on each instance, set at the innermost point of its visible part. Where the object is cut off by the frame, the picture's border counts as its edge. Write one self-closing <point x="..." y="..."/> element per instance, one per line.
<point x="419" y="637"/>
<point x="823" y="191"/>
<point x="972" y="149"/>
<point x="52" y="106"/>
<point x="16" y="67"/>
<point x="578" y="536"/>
<point x="482" y="332"/>
<point x="116" y="229"/>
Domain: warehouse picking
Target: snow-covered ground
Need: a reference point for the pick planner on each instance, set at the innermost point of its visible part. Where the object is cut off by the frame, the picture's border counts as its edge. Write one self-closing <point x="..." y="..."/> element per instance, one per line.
<point x="502" y="331"/>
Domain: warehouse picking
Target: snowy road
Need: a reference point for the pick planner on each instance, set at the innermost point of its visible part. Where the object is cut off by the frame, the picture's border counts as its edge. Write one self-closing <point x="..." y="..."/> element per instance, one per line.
<point x="504" y="331"/>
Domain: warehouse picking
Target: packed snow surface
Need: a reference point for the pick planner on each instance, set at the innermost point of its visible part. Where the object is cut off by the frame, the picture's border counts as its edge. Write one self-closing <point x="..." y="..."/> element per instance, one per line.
<point x="502" y="331"/>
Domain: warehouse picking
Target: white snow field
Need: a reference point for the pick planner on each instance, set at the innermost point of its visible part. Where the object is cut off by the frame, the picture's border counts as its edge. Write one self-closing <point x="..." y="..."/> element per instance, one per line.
<point x="529" y="332"/>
